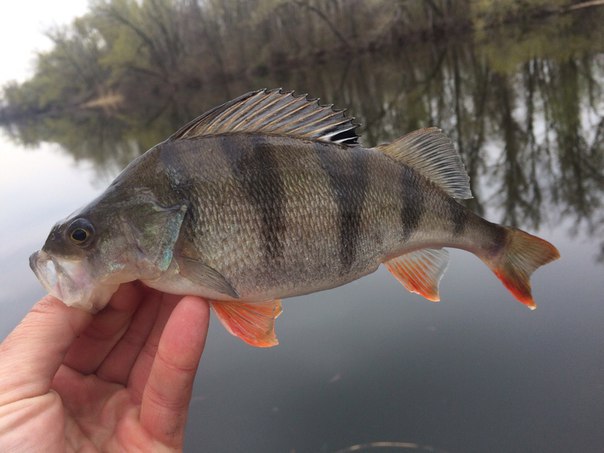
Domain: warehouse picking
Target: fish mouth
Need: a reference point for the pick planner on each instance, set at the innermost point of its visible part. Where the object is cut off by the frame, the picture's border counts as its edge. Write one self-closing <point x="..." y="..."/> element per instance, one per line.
<point x="71" y="281"/>
<point x="51" y="274"/>
<point x="44" y="268"/>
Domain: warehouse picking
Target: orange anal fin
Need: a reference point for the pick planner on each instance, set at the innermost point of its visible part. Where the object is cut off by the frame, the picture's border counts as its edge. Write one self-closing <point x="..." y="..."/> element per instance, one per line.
<point x="253" y="322"/>
<point x="420" y="271"/>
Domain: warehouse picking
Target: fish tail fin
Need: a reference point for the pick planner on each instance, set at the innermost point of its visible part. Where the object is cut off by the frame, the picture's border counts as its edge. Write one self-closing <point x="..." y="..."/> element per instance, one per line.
<point x="521" y="255"/>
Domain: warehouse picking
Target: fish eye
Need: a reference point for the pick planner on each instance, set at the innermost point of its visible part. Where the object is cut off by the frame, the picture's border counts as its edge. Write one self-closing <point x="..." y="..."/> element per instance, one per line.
<point x="79" y="235"/>
<point x="80" y="231"/>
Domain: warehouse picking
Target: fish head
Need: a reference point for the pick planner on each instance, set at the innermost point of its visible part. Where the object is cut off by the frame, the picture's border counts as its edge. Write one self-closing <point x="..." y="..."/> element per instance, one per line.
<point x="111" y="241"/>
<point x="81" y="261"/>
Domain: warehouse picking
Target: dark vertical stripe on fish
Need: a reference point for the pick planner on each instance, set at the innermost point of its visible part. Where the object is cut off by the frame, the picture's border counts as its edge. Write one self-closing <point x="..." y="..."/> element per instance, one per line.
<point x="182" y="187"/>
<point x="348" y="181"/>
<point x="412" y="198"/>
<point x="257" y="171"/>
<point x="458" y="216"/>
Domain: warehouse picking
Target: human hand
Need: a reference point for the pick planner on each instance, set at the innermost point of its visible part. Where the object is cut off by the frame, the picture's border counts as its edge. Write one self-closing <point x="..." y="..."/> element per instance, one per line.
<point x="117" y="381"/>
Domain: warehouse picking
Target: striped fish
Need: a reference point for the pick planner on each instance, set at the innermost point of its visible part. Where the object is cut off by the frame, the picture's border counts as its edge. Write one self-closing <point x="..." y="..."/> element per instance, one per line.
<point x="270" y="196"/>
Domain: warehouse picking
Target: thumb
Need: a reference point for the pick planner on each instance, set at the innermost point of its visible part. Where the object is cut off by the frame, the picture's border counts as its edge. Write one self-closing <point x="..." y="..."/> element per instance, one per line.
<point x="32" y="353"/>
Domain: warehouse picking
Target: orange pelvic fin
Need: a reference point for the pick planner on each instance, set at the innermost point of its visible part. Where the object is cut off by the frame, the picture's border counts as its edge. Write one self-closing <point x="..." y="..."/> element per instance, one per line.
<point x="521" y="256"/>
<point x="420" y="271"/>
<point x="253" y="322"/>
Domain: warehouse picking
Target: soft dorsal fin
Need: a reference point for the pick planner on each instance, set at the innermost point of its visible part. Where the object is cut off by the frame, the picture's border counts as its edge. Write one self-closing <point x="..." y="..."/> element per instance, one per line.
<point x="273" y="112"/>
<point x="432" y="154"/>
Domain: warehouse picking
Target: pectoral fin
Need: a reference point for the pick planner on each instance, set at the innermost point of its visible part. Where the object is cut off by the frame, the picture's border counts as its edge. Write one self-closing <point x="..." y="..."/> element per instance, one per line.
<point x="420" y="271"/>
<point x="205" y="276"/>
<point x="253" y="322"/>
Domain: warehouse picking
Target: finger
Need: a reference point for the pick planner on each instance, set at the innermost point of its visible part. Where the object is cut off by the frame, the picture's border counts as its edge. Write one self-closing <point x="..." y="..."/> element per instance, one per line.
<point x="83" y="398"/>
<point x="168" y="392"/>
<point x="33" y="352"/>
<point x="105" y="330"/>
<point x="142" y="365"/>
<point x="118" y="364"/>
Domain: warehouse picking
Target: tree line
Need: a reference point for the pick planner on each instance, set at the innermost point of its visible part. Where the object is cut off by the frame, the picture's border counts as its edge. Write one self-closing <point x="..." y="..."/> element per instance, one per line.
<point x="123" y="50"/>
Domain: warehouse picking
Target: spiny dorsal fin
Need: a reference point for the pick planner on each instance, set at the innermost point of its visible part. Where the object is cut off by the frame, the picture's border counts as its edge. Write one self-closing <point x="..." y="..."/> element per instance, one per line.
<point x="273" y="112"/>
<point x="432" y="154"/>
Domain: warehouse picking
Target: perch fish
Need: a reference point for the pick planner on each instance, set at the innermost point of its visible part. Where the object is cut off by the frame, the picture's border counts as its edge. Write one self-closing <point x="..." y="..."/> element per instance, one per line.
<point x="269" y="196"/>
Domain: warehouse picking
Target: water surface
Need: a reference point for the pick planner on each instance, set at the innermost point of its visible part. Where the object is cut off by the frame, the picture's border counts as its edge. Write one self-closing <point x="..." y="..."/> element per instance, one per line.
<point x="370" y="362"/>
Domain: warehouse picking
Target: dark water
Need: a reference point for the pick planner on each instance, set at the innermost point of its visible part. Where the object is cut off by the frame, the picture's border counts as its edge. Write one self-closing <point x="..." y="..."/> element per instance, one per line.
<point x="369" y="362"/>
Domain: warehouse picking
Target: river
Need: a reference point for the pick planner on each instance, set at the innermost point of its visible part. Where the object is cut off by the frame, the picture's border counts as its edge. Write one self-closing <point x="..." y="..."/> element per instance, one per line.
<point x="370" y="362"/>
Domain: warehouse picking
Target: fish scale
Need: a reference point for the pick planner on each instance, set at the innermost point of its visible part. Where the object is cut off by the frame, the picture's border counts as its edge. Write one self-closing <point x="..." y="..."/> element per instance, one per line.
<point x="303" y="204"/>
<point x="270" y="196"/>
<point x="358" y="239"/>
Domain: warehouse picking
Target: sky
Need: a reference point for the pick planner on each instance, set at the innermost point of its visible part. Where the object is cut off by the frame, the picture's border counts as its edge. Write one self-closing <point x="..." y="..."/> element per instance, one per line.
<point x="22" y="27"/>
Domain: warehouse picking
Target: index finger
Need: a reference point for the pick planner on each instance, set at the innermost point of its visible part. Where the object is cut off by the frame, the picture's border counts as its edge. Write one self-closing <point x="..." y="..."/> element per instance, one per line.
<point x="32" y="353"/>
<point x="167" y="394"/>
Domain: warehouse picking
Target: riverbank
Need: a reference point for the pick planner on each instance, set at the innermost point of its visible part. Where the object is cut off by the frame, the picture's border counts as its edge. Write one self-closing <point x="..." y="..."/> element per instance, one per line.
<point x="122" y="52"/>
